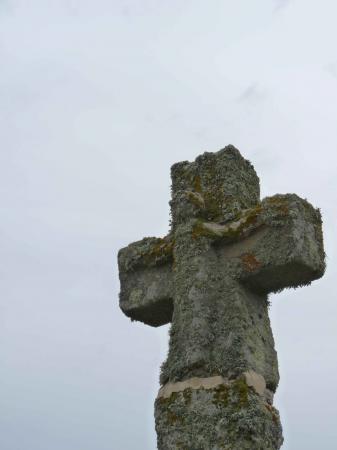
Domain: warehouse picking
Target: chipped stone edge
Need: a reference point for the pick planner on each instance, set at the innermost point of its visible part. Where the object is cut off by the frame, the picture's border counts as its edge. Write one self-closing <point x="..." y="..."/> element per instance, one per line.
<point x="253" y="380"/>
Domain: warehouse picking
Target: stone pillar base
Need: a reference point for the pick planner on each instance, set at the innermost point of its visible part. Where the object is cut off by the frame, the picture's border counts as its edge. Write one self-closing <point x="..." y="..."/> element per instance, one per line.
<point x="214" y="414"/>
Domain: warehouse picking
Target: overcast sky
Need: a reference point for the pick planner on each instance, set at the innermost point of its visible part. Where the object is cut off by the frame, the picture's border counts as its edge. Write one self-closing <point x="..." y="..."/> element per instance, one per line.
<point x="97" y="100"/>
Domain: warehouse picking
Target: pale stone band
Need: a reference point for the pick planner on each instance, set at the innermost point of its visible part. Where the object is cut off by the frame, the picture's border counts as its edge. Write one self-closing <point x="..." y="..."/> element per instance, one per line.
<point x="253" y="379"/>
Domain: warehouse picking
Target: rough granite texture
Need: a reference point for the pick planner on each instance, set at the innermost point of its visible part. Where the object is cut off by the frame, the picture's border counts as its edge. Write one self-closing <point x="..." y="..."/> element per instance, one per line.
<point x="230" y="417"/>
<point x="211" y="277"/>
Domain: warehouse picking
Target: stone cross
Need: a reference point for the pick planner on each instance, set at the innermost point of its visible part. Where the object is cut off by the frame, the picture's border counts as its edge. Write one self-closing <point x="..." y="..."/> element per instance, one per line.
<point x="211" y="276"/>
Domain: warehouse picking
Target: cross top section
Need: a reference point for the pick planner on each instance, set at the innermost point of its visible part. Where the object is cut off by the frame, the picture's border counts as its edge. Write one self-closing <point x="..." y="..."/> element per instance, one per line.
<point x="216" y="186"/>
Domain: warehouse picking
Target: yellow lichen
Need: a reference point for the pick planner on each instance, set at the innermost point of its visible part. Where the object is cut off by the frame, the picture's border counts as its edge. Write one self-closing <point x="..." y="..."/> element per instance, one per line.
<point x="162" y="249"/>
<point x="197" y="184"/>
<point x="196" y="198"/>
<point x="221" y="394"/>
<point x="241" y="389"/>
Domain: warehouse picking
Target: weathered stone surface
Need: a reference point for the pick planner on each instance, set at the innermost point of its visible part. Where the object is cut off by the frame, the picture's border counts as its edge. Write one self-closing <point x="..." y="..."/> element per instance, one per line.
<point x="211" y="277"/>
<point x="231" y="417"/>
<point x="146" y="278"/>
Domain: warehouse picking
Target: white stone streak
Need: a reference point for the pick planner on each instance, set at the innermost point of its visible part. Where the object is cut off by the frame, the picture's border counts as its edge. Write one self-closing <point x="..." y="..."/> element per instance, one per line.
<point x="253" y="379"/>
<point x="221" y="230"/>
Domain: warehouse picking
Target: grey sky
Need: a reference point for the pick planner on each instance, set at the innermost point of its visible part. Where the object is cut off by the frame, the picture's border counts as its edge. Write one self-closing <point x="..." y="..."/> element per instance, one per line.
<point x="97" y="100"/>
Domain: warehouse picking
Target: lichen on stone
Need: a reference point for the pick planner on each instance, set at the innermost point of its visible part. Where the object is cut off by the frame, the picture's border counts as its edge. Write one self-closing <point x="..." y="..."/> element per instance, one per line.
<point x="225" y="252"/>
<point x="243" y="420"/>
<point x="148" y="252"/>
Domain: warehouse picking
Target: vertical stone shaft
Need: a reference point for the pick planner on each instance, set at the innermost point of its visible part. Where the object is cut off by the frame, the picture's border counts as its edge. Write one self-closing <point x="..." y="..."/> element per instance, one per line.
<point x="218" y="328"/>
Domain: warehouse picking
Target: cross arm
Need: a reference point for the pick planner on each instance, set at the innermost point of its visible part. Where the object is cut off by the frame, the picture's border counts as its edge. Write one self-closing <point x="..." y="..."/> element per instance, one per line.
<point x="145" y="272"/>
<point x="276" y="245"/>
